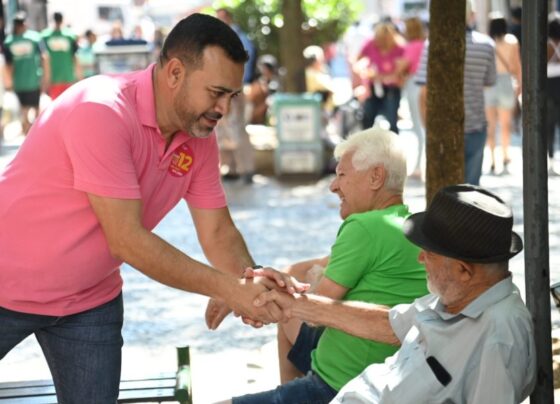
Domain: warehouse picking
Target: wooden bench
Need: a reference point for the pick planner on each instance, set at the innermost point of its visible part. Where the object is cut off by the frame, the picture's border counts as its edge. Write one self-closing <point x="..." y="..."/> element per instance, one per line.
<point x="164" y="387"/>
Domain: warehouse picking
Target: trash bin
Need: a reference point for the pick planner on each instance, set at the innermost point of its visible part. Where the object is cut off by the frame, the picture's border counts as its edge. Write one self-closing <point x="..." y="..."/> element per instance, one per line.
<point x="298" y="130"/>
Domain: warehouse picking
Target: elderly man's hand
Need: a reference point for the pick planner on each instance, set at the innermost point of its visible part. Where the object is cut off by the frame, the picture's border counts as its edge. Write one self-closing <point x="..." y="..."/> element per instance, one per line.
<point x="283" y="300"/>
<point x="274" y="279"/>
<point x="241" y="302"/>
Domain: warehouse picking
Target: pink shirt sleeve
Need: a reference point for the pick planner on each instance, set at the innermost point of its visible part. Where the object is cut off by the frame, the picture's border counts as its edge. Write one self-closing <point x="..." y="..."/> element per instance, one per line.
<point x="98" y="140"/>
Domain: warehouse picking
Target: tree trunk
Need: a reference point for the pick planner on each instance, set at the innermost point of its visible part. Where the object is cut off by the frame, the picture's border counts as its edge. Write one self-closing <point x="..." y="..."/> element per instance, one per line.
<point x="291" y="46"/>
<point x="445" y="106"/>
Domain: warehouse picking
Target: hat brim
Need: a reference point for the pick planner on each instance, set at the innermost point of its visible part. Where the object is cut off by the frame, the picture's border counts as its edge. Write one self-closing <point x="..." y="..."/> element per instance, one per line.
<point x="412" y="229"/>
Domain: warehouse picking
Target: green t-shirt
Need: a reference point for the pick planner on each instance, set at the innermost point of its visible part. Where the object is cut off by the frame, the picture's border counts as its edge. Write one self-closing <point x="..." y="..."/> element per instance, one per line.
<point x="23" y="53"/>
<point x="62" y="47"/>
<point x="374" y="260"/>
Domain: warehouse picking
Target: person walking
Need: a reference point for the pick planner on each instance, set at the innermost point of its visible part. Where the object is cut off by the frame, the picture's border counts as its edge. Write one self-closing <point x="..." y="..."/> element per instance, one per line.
<point x="27" y="68"/>
<point x="99" y="169"/>
<point x="501" y="98"/>
<point x="235" y="145"/>
<point x="479" y="72"/>
<point x="553" y="88"/>
<point x="62" y="46"/>
<point x="408" y="65"/>
<point x="377" y="67"/>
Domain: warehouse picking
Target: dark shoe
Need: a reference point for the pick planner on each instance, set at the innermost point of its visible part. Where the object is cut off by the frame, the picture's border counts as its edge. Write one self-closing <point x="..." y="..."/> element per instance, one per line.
<point x="230" y="177"/>
<point x="247" y="179"/>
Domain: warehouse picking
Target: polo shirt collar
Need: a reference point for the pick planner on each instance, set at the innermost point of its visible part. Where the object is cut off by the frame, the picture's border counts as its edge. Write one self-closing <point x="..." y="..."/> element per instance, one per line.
<point x="145" y="97"/>
<point x="499" y="291"/>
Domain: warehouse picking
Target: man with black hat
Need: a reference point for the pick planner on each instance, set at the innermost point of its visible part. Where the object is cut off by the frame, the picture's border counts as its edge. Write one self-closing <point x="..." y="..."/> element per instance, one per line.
<point x="471" y="339"/>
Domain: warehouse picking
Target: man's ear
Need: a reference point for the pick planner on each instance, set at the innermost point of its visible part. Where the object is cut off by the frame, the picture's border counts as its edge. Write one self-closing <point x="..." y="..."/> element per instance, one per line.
<point x="466" y="270"/>
<point x="377" y="176"/>
<point x="175" y="72"/>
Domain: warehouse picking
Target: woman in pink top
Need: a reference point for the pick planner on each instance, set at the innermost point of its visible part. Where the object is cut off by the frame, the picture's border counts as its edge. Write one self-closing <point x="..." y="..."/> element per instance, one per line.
<point x="377" y="67"/>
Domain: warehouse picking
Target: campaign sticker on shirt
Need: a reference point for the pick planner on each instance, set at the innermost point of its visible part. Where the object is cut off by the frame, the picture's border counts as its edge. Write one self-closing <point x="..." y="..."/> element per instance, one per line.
<point x="181" y="161"/>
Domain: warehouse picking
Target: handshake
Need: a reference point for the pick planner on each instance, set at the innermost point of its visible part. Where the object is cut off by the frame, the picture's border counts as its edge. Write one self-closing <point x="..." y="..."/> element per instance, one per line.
<point x="262" y="296"/>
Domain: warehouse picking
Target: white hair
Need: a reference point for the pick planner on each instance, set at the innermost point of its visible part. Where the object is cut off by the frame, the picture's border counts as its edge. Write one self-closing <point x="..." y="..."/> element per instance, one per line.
<point x="377" y="146"/>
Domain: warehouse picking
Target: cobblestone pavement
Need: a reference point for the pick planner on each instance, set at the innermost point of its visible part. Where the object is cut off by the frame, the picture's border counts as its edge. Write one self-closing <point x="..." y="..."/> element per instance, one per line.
<point x="282" y="222"/>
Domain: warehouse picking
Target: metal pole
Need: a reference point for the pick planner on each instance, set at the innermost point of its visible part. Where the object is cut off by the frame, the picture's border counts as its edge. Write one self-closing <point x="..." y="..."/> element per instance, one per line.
<point x="535" y="191"/>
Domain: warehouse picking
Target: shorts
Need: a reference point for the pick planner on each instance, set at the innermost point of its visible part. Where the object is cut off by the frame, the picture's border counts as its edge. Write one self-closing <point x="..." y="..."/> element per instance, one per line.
<point x="306" y="341"/>
<point x="56" y="89"/>
<point x="29" y="98"/>
<point x="500" y="95"/>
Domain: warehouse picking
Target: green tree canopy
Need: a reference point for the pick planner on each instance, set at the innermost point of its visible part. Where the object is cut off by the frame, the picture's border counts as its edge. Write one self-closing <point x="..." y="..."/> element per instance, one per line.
<point x="324" y="21"/>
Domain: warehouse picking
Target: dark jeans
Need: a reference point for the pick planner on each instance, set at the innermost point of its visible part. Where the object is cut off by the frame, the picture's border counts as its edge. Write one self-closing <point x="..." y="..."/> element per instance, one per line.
<point x="83" y="350"/>
<point x="553" y="112"/>
<point x="309" y="389"/>
<point x="474" y="154"/>
<point x="389" y="104"/>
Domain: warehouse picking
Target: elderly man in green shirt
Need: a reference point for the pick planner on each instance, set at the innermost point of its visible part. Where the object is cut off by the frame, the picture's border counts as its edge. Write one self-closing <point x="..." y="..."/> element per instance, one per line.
<point x="370" y="261"/>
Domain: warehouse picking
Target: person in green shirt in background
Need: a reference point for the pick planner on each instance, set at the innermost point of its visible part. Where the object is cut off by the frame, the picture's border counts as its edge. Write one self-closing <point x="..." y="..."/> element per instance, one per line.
<point x="27" y="67"/>
<point x="62" y="47"/>
<point x="370" y="261"/>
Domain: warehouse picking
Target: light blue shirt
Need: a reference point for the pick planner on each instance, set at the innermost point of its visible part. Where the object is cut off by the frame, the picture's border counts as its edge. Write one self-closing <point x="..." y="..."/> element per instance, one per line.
<point x="488" y="350"/>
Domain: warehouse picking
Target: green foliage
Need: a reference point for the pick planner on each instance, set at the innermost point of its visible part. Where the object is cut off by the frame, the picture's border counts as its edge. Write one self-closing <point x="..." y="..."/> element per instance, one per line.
<point x="325" y="20"/>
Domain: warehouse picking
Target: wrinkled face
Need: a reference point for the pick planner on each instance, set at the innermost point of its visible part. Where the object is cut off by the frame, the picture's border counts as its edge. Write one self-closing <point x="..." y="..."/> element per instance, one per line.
<point x="205" y="94"/>
<point x="352" y="187"/>
<point x="443" y="276"/>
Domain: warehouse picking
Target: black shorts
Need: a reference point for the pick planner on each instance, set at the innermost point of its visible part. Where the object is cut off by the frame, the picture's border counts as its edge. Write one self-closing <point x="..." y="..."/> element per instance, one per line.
<point x="306" y="341"/>
<point x="29" y="98"/>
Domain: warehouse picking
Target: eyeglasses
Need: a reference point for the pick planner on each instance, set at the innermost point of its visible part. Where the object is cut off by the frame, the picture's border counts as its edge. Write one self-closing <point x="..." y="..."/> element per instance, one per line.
<point x="555" y="292"/>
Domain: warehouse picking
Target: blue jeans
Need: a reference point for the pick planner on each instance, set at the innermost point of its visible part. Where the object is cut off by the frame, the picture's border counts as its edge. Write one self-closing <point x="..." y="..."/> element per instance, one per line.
<point x="474" y="153"/>
<point x="304" y="390"/>
<point x="388" y="103"/>
<point x="83" y="350"/>
<point x="309" y="389"/>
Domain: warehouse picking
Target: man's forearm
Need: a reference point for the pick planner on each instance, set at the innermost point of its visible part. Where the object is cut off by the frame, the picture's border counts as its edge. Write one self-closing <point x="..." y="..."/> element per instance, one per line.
<point x="228" y="252"/>
<point x="361" y="319"/>
<point x="166" y="264"/>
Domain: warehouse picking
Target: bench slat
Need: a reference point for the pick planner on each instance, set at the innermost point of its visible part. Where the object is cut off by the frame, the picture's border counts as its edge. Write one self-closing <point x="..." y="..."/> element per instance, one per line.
<point x="131" y="391"/>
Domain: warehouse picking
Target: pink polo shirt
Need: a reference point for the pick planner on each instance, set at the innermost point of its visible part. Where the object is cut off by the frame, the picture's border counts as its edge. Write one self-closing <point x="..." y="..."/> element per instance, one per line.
<point x="384" y="63"/>
<point x="98" y="137"/>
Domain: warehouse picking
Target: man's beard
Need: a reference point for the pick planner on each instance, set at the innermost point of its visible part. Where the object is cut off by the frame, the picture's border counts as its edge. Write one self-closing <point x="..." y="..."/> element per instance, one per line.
<point x="192" y="123"/>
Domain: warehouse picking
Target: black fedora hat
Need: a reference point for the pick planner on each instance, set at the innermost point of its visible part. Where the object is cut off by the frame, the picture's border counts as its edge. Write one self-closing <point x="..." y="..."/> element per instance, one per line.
<point x="467" y="223"/>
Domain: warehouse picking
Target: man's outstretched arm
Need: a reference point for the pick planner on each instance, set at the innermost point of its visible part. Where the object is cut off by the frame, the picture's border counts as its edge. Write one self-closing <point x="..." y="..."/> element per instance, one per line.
<point x="365" y="320"/>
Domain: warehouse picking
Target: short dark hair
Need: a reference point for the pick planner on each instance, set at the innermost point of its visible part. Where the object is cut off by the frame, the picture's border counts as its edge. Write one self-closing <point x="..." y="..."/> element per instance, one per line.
<point x="19" y="17"/>
<point x="497" y="27"/>
<point x="188" y="39"/>
<point x="57" y="17"/>
<point x="554" y="25"/>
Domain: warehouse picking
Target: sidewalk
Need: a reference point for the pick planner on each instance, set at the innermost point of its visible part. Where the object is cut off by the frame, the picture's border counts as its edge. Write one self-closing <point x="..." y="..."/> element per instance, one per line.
<point x="282" y="223"/>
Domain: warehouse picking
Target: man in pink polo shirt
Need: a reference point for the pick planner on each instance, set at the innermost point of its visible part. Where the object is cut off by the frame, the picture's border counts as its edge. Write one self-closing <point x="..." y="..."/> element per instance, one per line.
<point x="100" y="168"/>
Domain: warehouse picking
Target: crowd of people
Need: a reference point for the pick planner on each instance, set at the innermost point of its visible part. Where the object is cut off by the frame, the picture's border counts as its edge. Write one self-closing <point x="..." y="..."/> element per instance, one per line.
<point x="393" y="63"/>
<point x="406" y="307"/>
